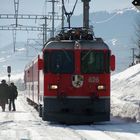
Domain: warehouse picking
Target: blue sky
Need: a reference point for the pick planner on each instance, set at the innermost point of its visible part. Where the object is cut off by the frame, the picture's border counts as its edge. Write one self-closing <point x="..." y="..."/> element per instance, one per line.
<point x="109" y="5"/>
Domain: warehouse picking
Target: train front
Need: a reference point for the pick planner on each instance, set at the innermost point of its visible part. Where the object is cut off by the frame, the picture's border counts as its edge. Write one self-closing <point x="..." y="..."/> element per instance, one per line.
<point x="77" y="81"/>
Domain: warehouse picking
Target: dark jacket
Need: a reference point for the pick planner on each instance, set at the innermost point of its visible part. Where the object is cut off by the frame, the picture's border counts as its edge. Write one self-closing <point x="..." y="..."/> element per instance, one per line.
<point x="4" y="91"/>
<point x="13" y="92"/>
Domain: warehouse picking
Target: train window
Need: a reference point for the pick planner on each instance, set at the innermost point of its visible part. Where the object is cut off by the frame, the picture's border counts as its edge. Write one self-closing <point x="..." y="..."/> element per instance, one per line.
<point x="59" y="61"/>
<point x="56" y="62"/>
<point x="46" y="61"/>
<point x="94" y="62"/>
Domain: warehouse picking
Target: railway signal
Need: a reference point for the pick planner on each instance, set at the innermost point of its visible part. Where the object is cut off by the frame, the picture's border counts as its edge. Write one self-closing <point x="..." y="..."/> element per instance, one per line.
<point x="9" y="72"/>
<point x="136" y="3"/>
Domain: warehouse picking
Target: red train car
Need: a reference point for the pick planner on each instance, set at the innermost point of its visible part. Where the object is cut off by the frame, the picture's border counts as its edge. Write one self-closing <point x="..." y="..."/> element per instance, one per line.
<point x="70" y="81"/>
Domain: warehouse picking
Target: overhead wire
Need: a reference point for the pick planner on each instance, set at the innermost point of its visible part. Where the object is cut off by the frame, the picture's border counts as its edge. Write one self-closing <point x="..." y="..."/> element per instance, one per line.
<point x="68" y="14"/>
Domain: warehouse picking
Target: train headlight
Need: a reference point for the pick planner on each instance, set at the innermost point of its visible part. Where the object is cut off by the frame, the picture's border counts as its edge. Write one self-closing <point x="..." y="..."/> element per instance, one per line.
<point x="101" y="87"/>
<point x="53" y="87"/>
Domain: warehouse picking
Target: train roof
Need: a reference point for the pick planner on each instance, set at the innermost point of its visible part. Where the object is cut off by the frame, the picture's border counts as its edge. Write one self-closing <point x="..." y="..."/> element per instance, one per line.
<point x="70" y="44"/>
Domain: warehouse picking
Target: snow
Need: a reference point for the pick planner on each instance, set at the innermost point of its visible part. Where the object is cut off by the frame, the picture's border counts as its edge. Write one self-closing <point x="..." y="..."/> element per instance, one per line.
<point x="25" y="124"/>
<point x="21" y="49"/>
<point x="125" y="95"/>
<point x="114" y="41"/>
<point x="2" y="59"/>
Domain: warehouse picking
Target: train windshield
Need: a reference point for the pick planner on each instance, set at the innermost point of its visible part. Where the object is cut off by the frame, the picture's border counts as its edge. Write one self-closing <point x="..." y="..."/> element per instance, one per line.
<point x="59" y="61"/>
<point x="94" y="61"/>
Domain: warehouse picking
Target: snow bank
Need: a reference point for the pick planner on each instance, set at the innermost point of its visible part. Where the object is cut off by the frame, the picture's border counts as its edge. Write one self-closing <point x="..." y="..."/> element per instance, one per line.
<point x="125" y="93"/>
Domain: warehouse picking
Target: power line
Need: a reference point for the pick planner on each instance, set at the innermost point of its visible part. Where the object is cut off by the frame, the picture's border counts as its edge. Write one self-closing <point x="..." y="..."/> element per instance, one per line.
<point x="68" y="14"/>
<point x="21" y="28"/>
<point x="28" y="16"/>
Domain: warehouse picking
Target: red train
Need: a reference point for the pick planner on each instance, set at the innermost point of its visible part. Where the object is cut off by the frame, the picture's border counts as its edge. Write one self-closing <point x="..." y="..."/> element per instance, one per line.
<point x="70" y="81"/>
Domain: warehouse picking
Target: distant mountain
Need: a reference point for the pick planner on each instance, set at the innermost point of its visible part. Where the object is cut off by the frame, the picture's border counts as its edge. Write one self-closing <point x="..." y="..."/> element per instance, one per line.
<point x="116" y="28"/>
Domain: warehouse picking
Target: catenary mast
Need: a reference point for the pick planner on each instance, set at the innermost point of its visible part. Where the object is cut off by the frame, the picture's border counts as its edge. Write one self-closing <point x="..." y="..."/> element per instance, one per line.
<point x="86" y="13"/>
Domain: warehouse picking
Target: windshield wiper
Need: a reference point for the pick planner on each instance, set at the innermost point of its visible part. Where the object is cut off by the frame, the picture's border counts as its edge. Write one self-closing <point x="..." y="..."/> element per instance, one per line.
<point x="66" y="54"/>
<point x="83" y="58"/>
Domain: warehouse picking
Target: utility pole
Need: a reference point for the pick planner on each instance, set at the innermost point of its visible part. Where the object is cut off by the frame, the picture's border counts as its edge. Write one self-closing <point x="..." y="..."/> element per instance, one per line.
<point x="136" y="3"/>
<point x="14" y="38"/>
<point x="133" y="55"/>
<point x="45" y="33"/>
<point x="53" y="13"/>
<point x="63" y="12"/>
<point x="16" y="7"/>
<point x="45" y="29"/>
<point x="86" y="13"/>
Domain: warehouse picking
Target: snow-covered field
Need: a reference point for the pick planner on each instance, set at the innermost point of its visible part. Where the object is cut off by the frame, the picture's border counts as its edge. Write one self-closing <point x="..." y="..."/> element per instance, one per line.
<point x="125" y="93"/>
<point x="25" y="124"/>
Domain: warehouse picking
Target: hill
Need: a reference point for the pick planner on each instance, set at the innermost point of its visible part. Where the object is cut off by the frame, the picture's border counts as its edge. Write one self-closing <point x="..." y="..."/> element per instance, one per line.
<point x="125" y="95"/>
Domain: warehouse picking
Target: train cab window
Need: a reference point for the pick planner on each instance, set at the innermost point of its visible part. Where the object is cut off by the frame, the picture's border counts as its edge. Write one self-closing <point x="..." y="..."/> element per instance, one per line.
<point x="46" y="61"/>
<point x="94" y="62"/>
<point x="60" y="61"/>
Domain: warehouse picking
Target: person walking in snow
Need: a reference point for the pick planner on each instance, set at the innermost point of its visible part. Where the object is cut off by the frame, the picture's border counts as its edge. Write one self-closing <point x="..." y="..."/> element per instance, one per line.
<point x="4" y="94"/>
<point x="13" y="95"/>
